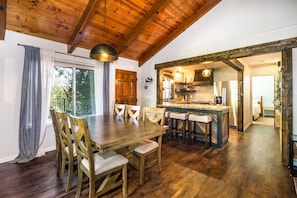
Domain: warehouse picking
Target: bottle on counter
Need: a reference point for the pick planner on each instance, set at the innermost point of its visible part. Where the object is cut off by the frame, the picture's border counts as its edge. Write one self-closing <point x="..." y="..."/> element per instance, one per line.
<point x="219" y="102"/>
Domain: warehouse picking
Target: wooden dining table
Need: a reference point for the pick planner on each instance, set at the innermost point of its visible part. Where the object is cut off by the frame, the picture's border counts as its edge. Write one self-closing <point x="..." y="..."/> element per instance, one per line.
<point x="114" y="132"/>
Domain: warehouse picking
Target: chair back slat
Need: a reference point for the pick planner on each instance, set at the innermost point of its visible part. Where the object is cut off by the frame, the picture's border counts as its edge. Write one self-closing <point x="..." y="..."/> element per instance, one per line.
<point x="54" y="120"/>
<point x="119" y="110"/>
<point x="132" y="111"/>
<point x="80" y="131"/>
<point x="64" y="131"/>
<point x="154" y="115"/>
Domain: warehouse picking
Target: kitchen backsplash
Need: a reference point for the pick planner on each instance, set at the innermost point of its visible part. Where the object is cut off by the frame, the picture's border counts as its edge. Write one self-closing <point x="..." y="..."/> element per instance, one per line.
<point x="202" y="94"/>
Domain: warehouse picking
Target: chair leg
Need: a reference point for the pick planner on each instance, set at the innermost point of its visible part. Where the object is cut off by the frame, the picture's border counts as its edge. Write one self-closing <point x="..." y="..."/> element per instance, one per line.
<point x="70" y="175"/>
<point x="141" y="169"/>
<point x="209" y="133"/>
<point x="92" y="187"/>
<point x="125" y="185"/>
<point x="58" y="160"/>
<point x="159" y="158"/>
<point x="63" y="164"/>
<point x="79" y="182"/>
<point x="159" y="152"/>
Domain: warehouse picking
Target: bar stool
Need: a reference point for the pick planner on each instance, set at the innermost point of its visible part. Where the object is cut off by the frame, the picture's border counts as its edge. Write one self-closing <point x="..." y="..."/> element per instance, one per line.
<point x="167" y="122"/>
<point x="178" y="124"/>
<point x="196" y="129"/>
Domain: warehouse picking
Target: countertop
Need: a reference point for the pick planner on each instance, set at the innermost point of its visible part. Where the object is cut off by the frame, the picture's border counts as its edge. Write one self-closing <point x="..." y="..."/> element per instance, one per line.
<point x="195" y="106"/>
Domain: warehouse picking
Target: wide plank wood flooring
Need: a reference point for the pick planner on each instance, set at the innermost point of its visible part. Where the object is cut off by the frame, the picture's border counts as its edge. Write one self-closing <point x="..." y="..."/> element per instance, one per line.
<point x="248" y="166"/>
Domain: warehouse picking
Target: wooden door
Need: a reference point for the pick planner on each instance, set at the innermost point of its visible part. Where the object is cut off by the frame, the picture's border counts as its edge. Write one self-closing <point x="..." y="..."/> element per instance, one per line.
<point x="126" y="87"/>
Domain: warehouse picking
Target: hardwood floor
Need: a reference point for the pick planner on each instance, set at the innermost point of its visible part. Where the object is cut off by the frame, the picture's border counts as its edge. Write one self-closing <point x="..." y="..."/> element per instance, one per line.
<point x="248" y="166"/>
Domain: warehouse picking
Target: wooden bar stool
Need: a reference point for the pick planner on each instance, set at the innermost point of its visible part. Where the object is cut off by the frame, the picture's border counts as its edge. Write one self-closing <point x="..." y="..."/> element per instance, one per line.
<point x="196" y="128"/>
<point x="167" y="122"/>
<point x="178" y="124"/>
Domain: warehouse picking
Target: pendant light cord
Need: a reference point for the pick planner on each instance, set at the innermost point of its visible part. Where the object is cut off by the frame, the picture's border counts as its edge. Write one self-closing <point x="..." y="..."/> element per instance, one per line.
<point x="104" y="22"/>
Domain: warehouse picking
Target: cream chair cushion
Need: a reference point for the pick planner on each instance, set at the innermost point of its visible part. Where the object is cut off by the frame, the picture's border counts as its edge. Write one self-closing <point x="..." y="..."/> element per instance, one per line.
<point x="74" y="149"/>
<point x="146" y="146"/>
<point x="179" y="116"/>
<point x="200" y="118"/>
<point x="105" y="162"/>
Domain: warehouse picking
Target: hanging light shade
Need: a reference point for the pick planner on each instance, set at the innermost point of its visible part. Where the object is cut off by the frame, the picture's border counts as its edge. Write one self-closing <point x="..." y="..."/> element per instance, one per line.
<point x="206" y="73"/>
<point x="104" y="52"/>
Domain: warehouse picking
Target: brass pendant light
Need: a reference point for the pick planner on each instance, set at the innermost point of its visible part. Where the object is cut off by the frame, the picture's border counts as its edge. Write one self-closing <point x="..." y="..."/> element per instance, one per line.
<point x="104" y="52"/>
<point x="206" y="73"/>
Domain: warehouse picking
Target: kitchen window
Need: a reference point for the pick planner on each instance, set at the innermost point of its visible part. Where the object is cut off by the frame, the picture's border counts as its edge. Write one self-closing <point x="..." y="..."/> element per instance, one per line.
<point x="73" y="89"/>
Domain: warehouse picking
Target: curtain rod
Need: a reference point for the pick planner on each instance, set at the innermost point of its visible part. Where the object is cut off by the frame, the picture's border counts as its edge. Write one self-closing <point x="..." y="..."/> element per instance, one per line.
<point x="59" y="52"/>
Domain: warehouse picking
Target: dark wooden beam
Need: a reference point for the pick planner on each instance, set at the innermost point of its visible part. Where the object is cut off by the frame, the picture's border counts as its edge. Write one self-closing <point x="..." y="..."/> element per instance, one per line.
<point x="82" y="24"/>
<point x="275" y="46"/>
<point x="2" y="19"/>
<point x="141" y="24"/>
<point x="235" y="64"/>
<point x="208" y="5"/>
<point x="240" y="101"/>
<point x="286" y="103"/>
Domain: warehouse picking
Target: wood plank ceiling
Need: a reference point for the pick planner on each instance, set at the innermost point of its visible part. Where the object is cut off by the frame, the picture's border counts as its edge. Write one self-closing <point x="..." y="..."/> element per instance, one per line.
<point x="138" y="29"/>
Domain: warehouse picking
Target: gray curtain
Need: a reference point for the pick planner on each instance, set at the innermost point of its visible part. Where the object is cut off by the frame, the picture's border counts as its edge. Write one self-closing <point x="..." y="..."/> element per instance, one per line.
<point x="106" y="89"/>
<point x="30" y="111"/>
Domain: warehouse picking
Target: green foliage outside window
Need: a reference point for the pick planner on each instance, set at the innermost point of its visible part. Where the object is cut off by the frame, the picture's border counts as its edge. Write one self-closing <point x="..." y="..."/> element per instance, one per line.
<point x="77" y="100"/>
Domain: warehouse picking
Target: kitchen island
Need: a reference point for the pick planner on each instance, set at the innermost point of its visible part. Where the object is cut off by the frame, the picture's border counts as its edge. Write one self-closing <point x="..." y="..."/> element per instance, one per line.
<point x="220" y="118"/>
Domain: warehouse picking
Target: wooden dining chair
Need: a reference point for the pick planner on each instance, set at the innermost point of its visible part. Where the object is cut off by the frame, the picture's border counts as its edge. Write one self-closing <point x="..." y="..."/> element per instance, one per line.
<point x="109" y="169"/>
<point x="119" y="110"/>
<point x="132" y="111"/>
<point x="58" y="142"/>
<point x="150" y="147"/>
<point x="68" y="148"/>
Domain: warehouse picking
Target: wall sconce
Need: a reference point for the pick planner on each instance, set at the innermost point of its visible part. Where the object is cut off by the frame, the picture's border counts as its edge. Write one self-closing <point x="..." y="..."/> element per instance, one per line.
<point x="148" y="80"/>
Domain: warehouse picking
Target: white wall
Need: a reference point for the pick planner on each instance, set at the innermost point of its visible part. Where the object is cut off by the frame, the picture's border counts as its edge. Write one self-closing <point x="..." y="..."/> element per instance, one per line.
<point x="11" y="68"/>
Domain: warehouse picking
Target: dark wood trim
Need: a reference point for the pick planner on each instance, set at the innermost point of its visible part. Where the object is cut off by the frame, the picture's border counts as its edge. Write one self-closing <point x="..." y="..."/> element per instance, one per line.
<point x="235" y="64"/>
<point x="265" y="48"/>
<point x="286" y="103"/>
<point x="240" y="77"/>
<point x="84" y="21"/>
<point x="208" y="5"/>
<point x="2" y="19"/>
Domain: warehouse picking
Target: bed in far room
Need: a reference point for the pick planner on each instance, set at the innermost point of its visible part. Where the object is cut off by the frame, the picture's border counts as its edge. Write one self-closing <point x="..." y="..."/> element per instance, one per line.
<point x="257" y="108"/>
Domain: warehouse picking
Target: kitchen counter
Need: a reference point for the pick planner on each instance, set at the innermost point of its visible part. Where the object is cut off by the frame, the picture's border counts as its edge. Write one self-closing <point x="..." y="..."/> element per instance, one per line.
<point x="194" y="106"/>
<point x="220" y="118"/>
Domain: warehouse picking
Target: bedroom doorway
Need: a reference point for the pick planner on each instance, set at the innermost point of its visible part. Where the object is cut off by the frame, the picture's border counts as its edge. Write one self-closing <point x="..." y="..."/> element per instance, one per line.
<point x="263" y="100"/>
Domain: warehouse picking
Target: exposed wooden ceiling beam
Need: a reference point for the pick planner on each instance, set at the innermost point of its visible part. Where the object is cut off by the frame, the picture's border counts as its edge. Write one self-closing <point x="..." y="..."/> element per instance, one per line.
<point x="199" y="13"/>
<point x="82" y="24"/>
<point x="2" y="19"/>
<point x="266" y="48"/>
<point x="141" y="24"/>
<point x="235" y="64"/>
